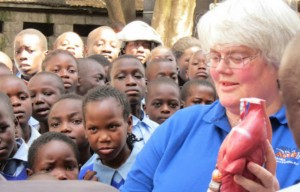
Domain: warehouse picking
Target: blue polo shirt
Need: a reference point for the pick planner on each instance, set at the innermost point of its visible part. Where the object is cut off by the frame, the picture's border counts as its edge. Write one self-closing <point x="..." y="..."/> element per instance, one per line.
<point x="182" y="152"/>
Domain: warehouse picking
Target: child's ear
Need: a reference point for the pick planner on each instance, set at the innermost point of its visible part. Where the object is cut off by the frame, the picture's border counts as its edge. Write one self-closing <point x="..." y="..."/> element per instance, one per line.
<point x="85" y="50"/>
<point x="144" y="107"/>
<point x="78" y="82"/>
<point x="129" y="123"/>
<point x="29" y="172"/>
<point x="182" y="104"/>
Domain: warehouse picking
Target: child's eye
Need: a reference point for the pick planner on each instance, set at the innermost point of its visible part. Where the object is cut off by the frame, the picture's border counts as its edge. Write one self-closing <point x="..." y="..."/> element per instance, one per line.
<point x="92" y="129"/>
<point x="99" y="78"/>
<point x="23" y="97"/>
<point x="70" y="167"/>
<point x="156" y="105"/>
<point x="54" y="124"/>
<point x="3" y="128"/>
<point x="198" y="101"/>
<point x="55" y="70"/>
<point x="77" y="121"/>
<point x="47" y="169"/>
<point x="174" y="105"/>
<point x="32" y="95"/>
<point x="47" y="93"/>
<point x="113" y="126"/>
<point x="72" y="70"/>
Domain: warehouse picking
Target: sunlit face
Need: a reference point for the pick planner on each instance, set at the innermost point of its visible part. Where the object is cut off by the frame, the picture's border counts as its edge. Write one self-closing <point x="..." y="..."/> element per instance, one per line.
<point x="162" y="101"/>
<point x="162" y="69"/>
<point x="19" y="96"/>
<point x="256" y="79"/>
<point x="44" y="92"/>
<point x="183" y="61"/>
<point x="66" y="117"/>
<point x="7" y="134"/>
<point x="162" y="53"/>
<point x="199" y="94"/>
<point x="197" y="67"/>
<point x="107" y="130"/>
<point x="139" y="49"/>
<point x="105" y="43"/>
<point x="92" y="75"/>
<point x="58" y="159"/>
<point x="128" y="76"/>
<point x="28" y="54"/>
<point x="71" y="42"/>
<point x="64" y="66"/>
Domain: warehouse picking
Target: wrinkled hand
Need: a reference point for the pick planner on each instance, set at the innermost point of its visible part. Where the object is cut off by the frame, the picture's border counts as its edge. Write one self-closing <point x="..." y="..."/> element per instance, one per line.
<point x="266" y="175"/>
<point x="90" y="176"/>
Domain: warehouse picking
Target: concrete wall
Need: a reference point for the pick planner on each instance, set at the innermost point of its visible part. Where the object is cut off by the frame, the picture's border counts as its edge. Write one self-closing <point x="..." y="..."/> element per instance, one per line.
<point x="13" y="23"/>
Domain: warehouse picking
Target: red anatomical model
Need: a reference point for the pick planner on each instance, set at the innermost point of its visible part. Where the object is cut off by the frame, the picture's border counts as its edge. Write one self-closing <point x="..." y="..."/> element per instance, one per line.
<point x="244" y="143"/>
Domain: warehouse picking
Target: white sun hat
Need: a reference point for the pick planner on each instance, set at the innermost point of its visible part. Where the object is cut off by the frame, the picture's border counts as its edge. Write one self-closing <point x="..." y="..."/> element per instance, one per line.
<point x="139" y="30"/>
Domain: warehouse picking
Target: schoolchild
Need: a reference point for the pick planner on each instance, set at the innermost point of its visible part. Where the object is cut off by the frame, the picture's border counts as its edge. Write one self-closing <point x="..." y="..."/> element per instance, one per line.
<point x="104" y="41"/>
<point x="19" y="95"/>
<point x="6" y="61"/>
<point x="13" y="153"/>
<point x="64" y="64"/>
<point x="127" y="74"/>
<point x="161" y="68"/>
<point x="103" y="61"/>
<point x="108" y="125"/>
<point x="54" y="154"/>
<point x="91" y="74"/>
<point x="66" y="117"/>
<point x="183" y="50"/>
<point x="198" y="91"/>
<point x="162" y="99"/>
<point x="45" y="89"/>
<point x="70" y="41"/>
<point x="138" y="39"/>
<point x="4" y="70"/>
<point x="161" y="52"/>
<point x="30" y="48"/>
<point x="197" y="66"/>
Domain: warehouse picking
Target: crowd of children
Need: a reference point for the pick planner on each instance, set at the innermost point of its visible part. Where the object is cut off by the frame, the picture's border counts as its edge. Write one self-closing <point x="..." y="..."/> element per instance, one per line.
<point x="85" y="110"/>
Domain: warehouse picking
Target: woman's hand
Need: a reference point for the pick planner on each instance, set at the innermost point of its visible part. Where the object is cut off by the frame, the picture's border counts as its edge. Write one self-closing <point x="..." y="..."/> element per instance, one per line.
<point x="266" y="175"/>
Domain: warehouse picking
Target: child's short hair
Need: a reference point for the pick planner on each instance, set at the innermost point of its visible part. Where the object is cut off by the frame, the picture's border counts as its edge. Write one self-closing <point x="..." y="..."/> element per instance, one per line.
<point x="55" y="52"/>
<point x="6" y="104"/>
<point x="195" y="82"/>
<point x="100" y="93"/>
<point x="100" y="59"/>
<point x="161" y="81"/>
<point x="52" y="76"/>
<point x="70" y="96"/>
<point x="43" y="140"/>
<point x="40" y="35"/>
<point x="126" y="56"/>
<point x="184" y="43"/>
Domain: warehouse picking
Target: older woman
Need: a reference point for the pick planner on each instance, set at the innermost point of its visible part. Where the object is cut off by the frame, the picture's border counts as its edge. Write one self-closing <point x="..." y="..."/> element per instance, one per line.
<point x="245" y="40"/>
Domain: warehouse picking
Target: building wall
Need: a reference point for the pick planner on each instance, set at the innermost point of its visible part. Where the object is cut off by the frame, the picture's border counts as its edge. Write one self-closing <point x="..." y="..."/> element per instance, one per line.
<point x="13" y="23"/>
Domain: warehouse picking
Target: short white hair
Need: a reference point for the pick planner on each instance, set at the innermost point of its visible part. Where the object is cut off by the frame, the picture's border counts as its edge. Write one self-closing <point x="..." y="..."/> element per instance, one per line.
<point x="267" y="25"/>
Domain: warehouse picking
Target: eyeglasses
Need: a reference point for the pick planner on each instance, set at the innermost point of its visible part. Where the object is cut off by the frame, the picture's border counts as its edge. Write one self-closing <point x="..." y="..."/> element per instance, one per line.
<point x="233" y="61"/>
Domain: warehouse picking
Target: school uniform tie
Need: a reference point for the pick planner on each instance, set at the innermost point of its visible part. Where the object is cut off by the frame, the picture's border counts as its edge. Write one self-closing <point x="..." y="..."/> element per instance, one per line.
<point x="10" y="167"/>
<point x="117" y="180"/>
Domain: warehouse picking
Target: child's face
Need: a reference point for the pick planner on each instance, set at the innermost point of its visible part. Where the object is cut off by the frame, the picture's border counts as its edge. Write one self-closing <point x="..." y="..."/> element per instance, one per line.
<point x="107" y="130"/>
<point x="28" y="54"/>
<point x="128" y="76"/>
<point x="58" y="159"/>
<point x="139" y="49"/>
<point x="162" y="101"/>
<point x="197" y="67"/>
<point x="72" y="43"/>
<point x="66" y="117"/>
<point x="94" y="75"/>
<point x="44" y="93"/>
<point x="19" y="96"/>
<point x="105" y="43"/>
<point x="64" y="66"/>
<point x="199" y="95"/>
<point x="7" y="134"/>
<point x="183" y="61"/>
<point x="163" y="69"/>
